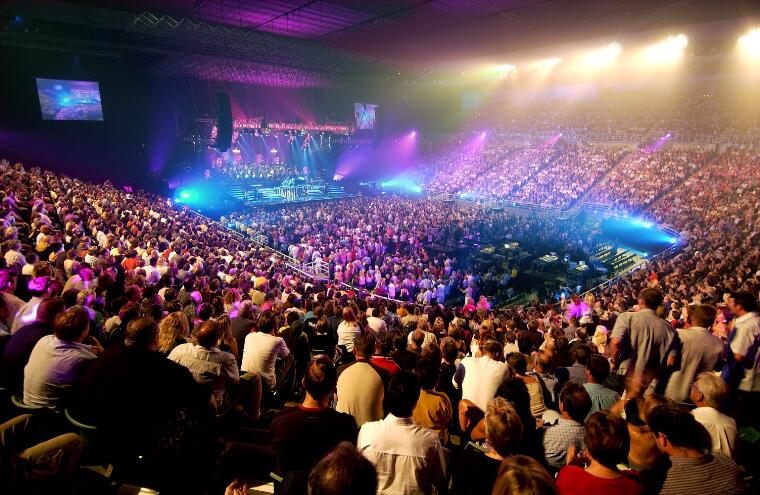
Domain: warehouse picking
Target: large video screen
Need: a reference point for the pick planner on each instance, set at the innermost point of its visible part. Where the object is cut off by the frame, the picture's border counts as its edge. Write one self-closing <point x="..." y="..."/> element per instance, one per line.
<point x="69" y="100"/>
<point x="365" y="115"/>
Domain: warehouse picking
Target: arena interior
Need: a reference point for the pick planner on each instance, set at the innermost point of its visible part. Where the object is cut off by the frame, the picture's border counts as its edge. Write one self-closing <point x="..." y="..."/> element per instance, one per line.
<point x="395" y="246"/>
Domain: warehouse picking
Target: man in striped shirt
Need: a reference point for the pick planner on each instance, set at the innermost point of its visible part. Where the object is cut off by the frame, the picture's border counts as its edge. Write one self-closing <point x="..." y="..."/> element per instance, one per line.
<point x="692" y="470"/>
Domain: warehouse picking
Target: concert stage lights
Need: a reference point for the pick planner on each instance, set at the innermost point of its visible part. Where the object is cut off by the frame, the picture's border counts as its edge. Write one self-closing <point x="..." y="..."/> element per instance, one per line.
<point x="750" y="43"/>
<point x="604" y="56"/>
<point x="667" y="51"/>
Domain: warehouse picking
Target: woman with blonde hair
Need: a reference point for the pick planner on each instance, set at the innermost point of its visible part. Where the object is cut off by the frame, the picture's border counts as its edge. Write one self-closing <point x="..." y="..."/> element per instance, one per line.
<point x="600" y="340"/>
<point x="173" y="331"/>
<point x="227" y="342"/>
<point x="348" y="329"/>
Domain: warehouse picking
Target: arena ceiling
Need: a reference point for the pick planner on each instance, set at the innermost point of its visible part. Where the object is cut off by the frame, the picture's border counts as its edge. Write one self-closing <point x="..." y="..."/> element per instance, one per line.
<point x="316" y="42"/>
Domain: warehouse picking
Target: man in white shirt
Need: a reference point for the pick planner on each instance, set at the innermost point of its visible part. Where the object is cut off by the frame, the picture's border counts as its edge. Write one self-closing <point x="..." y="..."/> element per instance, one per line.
<point x="152" y="275"/>
<point x="480" y="377"/>
<point x="58" y="361"/>
<point x="208" y="364"/>
<point x="710" y="394"/>
<point x="13" y="257"/>
<point x="376" y="323"/>
<point x="261" y="350"/>
<point x="409" y="458"/>
<point x="428" y="336"/>
<point x="743" y="342"/>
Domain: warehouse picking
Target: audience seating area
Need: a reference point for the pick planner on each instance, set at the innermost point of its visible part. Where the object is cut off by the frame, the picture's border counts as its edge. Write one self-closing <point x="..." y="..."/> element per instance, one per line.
<point x="145" y="345"/>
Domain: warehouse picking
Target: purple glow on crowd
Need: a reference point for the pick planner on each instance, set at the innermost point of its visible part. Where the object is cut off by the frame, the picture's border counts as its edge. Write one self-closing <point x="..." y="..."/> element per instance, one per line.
<point x="657" y="145"/>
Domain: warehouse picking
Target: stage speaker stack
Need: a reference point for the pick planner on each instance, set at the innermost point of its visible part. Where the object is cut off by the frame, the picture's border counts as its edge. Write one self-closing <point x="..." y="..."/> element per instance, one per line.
<point x="223" y="122"/>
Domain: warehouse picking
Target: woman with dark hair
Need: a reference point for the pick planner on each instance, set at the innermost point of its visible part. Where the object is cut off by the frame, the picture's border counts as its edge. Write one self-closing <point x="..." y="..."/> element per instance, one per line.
<point x="607" y="445"/>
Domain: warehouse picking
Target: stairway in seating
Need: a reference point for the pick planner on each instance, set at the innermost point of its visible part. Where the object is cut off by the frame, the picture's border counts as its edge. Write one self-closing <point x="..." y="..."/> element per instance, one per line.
<point x="693" y="171"/>
<point x="547" y="163"/>
<point x="599" y="180"/>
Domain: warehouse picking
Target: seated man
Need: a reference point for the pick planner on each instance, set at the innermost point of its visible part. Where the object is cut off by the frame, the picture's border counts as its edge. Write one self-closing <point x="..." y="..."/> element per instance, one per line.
<point x="24" y="460"/>
<point x="409" y="458"/>
<point x="574" y="405"/>
<point x="261" y="350"/>
<point x="343" y="471"/>
<point x="678" y="435"/>
<point x="208" y="364"/>
<point x="20" y="346"/>
<point x="138" y="399"/>
<point x="243" y="323"/>
<point x="58" y="361"/>
<point x="303" y="434"/>
<point x="360" y="384"/>
<point x="710" y="394"/>
<point x="577" y="371"/>
<point x="597" y="371"/>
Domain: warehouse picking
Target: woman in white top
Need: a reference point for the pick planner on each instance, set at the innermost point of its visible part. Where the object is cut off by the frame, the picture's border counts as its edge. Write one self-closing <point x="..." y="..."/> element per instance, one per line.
<point x="348" y="329"/>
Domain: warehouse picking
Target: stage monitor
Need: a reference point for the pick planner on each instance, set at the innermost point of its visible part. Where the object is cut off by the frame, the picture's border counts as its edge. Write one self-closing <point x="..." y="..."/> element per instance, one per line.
<point x="61" y="99"/>
<point x="365" y="115"/>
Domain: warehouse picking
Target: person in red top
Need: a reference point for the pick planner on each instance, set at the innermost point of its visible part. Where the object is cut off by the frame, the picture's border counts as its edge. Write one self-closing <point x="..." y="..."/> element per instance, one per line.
<point x="383" y="348"/>
<point x="607" y="444"/>
<point x="131" y="261"/>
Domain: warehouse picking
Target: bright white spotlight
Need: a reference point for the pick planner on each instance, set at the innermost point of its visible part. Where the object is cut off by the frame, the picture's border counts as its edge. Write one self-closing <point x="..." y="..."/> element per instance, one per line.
<point x="750" y="43"/>
<point x="503" y="71"/>
<point x="604" y="56"/>
<point x="669" y="50"/>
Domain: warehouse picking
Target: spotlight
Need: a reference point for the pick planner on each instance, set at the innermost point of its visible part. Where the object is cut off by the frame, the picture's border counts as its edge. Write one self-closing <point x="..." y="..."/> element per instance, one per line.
<point x="669" y="50"/>
<point x="750" y="43"/>
<point x="413" y="134"/>
<point x="483" y="134"/>
<point x="503" y="71"/>
<point x="604" y="56"/>
<point x="547" y="63"/>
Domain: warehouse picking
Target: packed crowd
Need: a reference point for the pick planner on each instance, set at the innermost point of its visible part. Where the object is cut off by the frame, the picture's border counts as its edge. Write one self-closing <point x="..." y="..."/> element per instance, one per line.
<point x="562" y="174"/>
<point x="492" y="170"/>
<point x="570" y="175"/>
<point x="383" y="243"/>
<point x="156" y="325"/>
<point x="642" y="176"/>
<point x="693" y="112"/>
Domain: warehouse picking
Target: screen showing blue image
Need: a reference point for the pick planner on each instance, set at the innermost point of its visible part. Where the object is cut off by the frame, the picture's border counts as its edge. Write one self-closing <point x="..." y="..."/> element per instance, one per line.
<point x="69" y="100"/>
<point x="364" y="113"/>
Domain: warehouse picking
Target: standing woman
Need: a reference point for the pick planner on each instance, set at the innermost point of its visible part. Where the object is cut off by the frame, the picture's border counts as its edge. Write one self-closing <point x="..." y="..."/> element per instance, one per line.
<point x="348" y="329"/>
